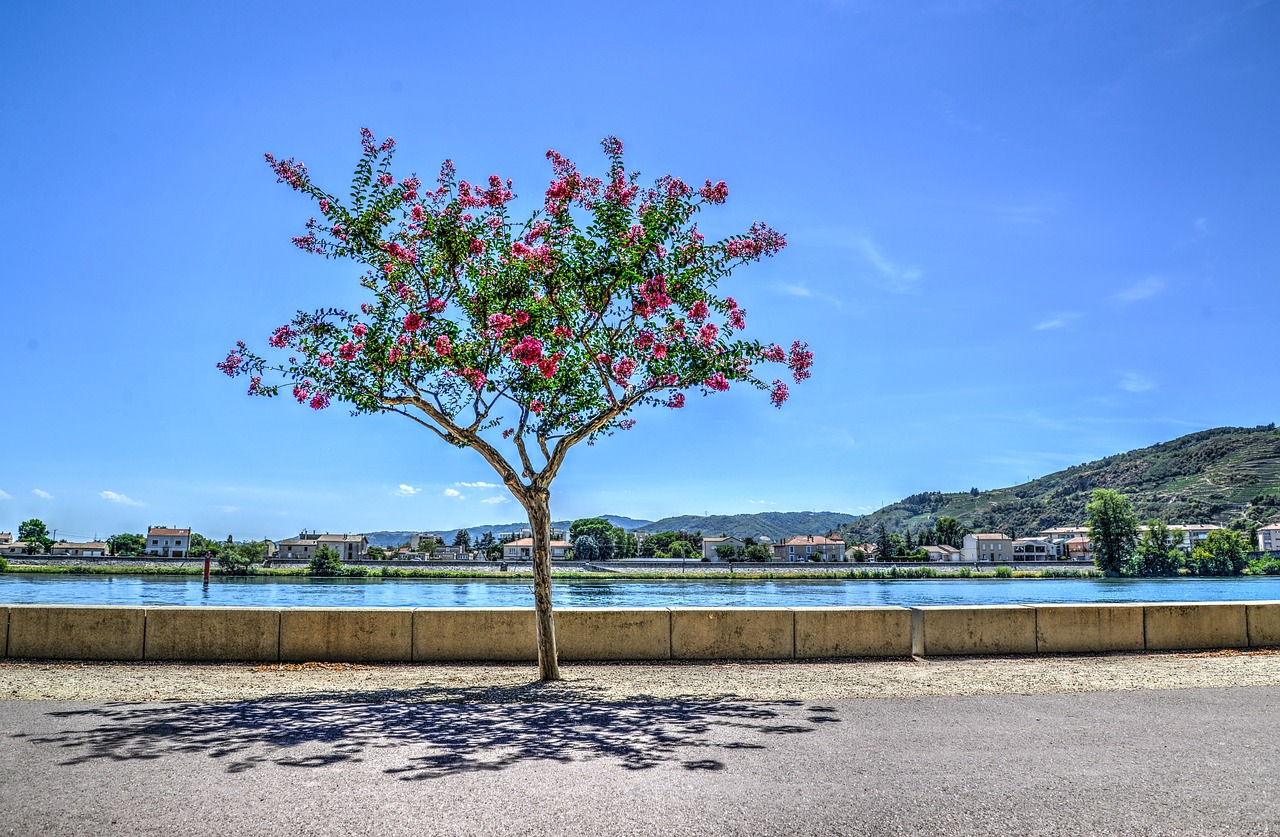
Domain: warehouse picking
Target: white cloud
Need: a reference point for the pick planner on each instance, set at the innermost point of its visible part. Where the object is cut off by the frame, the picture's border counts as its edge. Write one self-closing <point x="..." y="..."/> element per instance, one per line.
<point x="795" y="290"/>
<point x="118" y="498"/>
<point x="1133" y="382"/>
<point x="44" y="495"/>
<point x="495" y="500"/>
<point x="4" y="495"/>
<point x="476" y="484"/>
<point x="453" y="492"/>
<point x="896" y="277"/>
<point x="762" y="502"/>
<point x="1138" y="291"/>
<point x="406" y="491"/>
<point x="1057" y="321"/>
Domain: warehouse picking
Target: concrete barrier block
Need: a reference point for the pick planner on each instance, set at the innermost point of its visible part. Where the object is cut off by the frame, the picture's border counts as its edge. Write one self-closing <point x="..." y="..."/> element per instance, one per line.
<point x="475" y="634"/>
<point x="711" y="633"/>
<point x="346" y="634"/>
<point x="1088" y="628"/>
<point x="1196" y="625"/>
<point x="76" y="632"/>
<point x="614" y="634"/>
<point x="212" y="633"/>
<point x="975" y="629"/>
<point x="1264" y="623"/>
<point x="4" y="631"/>
<point x="852" y="632"/>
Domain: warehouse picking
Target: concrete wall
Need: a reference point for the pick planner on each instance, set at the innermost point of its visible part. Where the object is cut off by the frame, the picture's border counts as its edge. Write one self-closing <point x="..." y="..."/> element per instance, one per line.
<point x="448" y="634"/>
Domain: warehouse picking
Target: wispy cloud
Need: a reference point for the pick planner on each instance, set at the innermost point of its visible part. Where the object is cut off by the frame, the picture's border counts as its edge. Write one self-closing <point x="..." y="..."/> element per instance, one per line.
<point x="42" y="494"/>
<point x="1057" y="321"/>
<point x="113" y="497"/>
<point x="453" y="492"/>
<point x="762" y="502"/>
<point x="227" y="509"/>
<point x="493" y="501"/>
<point x="1133" y="382"/>
<point x="1139" y="291"/>
<point x="476" y="484"/>
<point x="895" y="277"/>
<point x="406" y="491"/>
<point x="4" y="495"/>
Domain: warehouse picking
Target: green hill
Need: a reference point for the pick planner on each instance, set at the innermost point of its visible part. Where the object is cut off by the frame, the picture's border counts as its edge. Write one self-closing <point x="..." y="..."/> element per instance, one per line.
<point x="1215" y="476"/>
<point x="775" y="525"/>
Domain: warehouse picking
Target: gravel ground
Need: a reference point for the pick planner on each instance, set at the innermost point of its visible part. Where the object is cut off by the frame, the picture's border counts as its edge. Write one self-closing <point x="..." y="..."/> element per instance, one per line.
<point x="113" y="681"/>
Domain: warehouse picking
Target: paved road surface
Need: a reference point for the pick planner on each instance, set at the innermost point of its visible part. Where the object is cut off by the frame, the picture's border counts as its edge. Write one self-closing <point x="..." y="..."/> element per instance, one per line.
<point x="1191" y="761"/>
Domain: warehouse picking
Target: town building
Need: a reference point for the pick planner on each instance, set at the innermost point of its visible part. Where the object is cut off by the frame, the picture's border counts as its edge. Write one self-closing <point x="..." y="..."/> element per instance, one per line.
<point x="521" y="549"/>
<point x="984" y="546"/>
<point x="943" y="552"/>
<point x="808" y="548"/>
<point x="168" y="543"/>
<point x="1038" y="549"/>
<point x="1269" y="538"/>
<point x="1079" y="549"/>
<point x="93" y="549"/>
<point x="709" y="547"/>
<point x="5" y="538"/>
<point x="348" y="547"/>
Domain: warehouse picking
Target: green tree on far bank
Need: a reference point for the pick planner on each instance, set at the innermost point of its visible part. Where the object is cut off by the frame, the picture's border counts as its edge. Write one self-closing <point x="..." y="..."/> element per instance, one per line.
<point x="585" y="548"/>
<point x="326" y="562"/>
<point x="126" y="545"/>
<point x="1158" y="553"/>
<point x="239" y="558"/>
<point x="1113" y="528"/>
<point x="463" y="539"/>
<point x="35" y="535"/>
<point x="1223" y="552"/>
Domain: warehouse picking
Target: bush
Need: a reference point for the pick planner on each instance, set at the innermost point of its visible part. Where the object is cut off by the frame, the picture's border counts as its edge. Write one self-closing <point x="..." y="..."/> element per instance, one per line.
<point x="326" y="562"/>
<point x="4" y="565"/>
<point x="1003" y="571"/>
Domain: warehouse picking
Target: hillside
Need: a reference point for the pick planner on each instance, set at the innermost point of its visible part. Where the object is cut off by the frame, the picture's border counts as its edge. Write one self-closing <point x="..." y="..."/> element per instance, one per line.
<point x="388" y="539"/>
<point x="1213" y="476"/>
<point x="776" y="525"/>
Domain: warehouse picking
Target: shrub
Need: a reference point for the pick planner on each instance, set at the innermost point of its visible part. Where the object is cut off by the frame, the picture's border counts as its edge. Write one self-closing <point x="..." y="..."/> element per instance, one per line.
<point x="1003" y="571"/>
<point x="326" y="562"/>
<point x="4" y="565"/>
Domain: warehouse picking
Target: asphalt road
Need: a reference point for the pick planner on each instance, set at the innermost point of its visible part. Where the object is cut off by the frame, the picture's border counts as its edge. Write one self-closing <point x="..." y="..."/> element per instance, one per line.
<point x="1191" y="761"/>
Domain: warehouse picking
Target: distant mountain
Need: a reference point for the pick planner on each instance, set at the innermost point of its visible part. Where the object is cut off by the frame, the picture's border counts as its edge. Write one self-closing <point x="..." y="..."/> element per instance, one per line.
<point x="775" y="525"/>
<point x="388" y="539"/>
<point x="1214" y="476"/>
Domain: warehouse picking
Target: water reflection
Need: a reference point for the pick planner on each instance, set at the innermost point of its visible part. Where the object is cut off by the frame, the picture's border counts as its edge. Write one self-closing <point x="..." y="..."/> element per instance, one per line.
<point x="697" y="592"/>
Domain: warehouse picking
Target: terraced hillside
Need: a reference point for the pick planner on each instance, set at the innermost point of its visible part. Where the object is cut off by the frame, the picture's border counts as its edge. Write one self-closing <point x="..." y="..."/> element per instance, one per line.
<point x="1214" y="476"/>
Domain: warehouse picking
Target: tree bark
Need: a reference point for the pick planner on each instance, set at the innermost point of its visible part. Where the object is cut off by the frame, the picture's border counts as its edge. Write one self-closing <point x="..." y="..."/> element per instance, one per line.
<point x="537" y="504"/>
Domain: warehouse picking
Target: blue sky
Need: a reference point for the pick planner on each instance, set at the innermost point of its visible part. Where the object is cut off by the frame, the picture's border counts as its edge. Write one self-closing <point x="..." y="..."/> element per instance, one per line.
<point x="1022" y="236"/>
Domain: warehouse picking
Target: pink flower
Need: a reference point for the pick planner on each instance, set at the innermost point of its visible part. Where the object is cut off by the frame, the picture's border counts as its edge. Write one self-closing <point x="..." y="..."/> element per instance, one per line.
<point x="699" y="311"/>
<point x="385" y="180"/>
<point x="320" y="400"/>
<point x="561" y="332"/>
<point x="660" y="350"/>
<point x="644" y="340"/>
<point x="623" y="369"/>
<point x="779" y="395"/>
<point x="417" y="213"/>
<point x="500" y="322"/>
<point x="255" y="383"/>
<point x="738" y="318"/>
<point x="549" y="365"/>
<point x="474" y="377"/>
<point x="443" y="345"/>
<point x="676" y="401"/>
<point x="347" y="351"/>
<point x="708" y="333"/>
<point x="800" y="359"/>
<point x="435" y="305"/>
<point x="324" y="205"/>
<point x="536" y="406"/>
<point x="774" y="353"/>
<point x="412" y="321"/>
<point x="325" y="360"/>
<point x="366" y="308"/>
<point x="282" y="336"/>
<point x="302" y="391"/>
<point x="528" y="351"/>
<point x="627" y="424"/>
<point x="287" y="171"/>
<point x="232" y="363"/>
<point x="716" y="382"/>
<point x="508" y="433"/>
<point x="359" y="330"/>
<point x="521" y="318"/>
<point x="761" y="241"/>
<point x="393" y="355"/>
<point x="714" y="194"/>
<point x="654" y="292"/>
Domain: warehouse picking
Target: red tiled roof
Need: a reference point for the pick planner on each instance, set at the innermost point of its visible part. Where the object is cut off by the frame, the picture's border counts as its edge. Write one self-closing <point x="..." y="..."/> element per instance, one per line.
<point x="170" y="533"/>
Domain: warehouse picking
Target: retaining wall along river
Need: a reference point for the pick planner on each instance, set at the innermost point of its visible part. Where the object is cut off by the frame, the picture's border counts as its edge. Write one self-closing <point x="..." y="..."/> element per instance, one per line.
<point x="92" y="632"/>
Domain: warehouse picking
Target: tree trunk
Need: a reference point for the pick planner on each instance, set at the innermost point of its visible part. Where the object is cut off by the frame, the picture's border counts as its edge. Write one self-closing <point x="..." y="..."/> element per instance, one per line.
<point x="537" y="505"/>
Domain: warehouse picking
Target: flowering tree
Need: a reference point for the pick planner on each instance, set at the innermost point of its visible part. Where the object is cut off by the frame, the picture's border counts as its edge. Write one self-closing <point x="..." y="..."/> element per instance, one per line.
<point x="520" y="337"/>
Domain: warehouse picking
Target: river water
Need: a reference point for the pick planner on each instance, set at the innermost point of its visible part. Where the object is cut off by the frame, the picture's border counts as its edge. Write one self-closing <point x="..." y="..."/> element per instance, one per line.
<point x="692" y="592"/>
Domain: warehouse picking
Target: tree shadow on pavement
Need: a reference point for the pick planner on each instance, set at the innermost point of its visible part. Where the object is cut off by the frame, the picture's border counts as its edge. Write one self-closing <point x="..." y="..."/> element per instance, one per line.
<point x="441" y="731"/>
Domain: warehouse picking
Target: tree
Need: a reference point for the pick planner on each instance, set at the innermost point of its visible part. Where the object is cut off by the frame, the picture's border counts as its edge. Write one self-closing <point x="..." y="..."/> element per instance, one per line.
<point x="585" y="548"/>
<point x="1113" y="528"/>
<point x="1157" y="552"/>
<point x="1222" y="552"/>
<point x="125" y="545"/>
<point x="35" y="535"/>
<point x="520" y="339"/>
<point x="377" y="553"/>
<point x="725" y="551"/>
<point x="758" y="552"/>
<point x="327" y="562"/>
<point x="949" y="532"/>
<point x="463" y="539"/>
<point x="238" y="559"/>
<point x="885" y="550"/>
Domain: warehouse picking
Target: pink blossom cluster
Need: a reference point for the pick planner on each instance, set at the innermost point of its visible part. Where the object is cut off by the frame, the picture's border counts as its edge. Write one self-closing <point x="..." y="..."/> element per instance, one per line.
<point x="307" y="242"/>
<point x="714" y="194"/>
<point x="349" y="350"/>
<point x="627" y="424"/>
<point x="500" y="322"/>
<point x="281" y="337"/>
<point x="435" y="305"/>
<point x="561" y="332"/>
<point x="623" y="369"/>
<point x="528" y="351"/>
<point x="760" y="241"/>
<point x="569" y="185"/>
<point x="676" y="401"/>
<point x="444" y="345"/>
<point x="412" y="321"/>
<point x="410" y="186"/>
<point x="707" y="334"/>
<point x="653" y="296"/>
<point x="699" y="311"/>
<point x="385" y="180"/>
<point x="325" y="359"/>
<point x="539" y="256"/>
<point x="474" y="377"/>
<point x="399" y="252"/>
<point x="779" y="394"/>
<point x="611" y="145"/>
<point x="800" y="360"/>
<point x="319" y="400"/>
<point x="287" y="171"/>
<point x="716" y="382"/>
<point x="536" y="406"/>
<point x="620" y="191"/>
<point x="302" y="391"/>
<point x="233" y="361"/>
<point x="774" y="353"/>
<point x="643" y="340"/>
<point x="659" y="351"/>
<point x="370" y="146"/>
<point x="738" y="319"/>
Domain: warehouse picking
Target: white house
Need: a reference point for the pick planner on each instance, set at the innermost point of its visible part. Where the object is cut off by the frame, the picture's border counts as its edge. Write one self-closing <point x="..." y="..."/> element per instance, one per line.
<point x="95" y="549"/>
<point x="1269" y="537"/>
<point x="807" y="547"/>
<point x="987" y="546"/>
<point x="521" y="549"/>
<point x="168" y="543"/>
